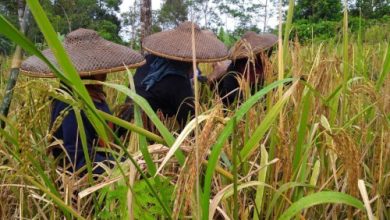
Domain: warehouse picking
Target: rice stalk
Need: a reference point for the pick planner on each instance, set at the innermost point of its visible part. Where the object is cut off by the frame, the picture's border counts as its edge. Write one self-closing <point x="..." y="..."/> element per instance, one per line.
<point x="350" y="156"/>
<point x="187" y="180"/>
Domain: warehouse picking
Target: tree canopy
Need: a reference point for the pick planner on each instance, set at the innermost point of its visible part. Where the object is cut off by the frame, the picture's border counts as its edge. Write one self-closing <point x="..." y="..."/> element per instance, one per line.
<point x="316" y="10"/>
<point x="68" y="15"/>
<point x="102" y="15"/>
<point x="371" y="8"/>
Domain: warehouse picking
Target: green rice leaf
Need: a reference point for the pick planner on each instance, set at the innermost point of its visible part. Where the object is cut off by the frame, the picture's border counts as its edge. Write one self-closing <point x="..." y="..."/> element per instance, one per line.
<point x="226" y="132"/>
<point x="143" y="145"/>
<point x="320" y="198"/>
<point x="268" y="120"/>
<point x="385" y="69"/>
<point x="140" y="101"/>
<point x="283" y="188"/>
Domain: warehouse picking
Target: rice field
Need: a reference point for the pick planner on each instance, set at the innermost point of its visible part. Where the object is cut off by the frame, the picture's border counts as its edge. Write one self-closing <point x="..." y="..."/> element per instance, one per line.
<point x="313" y="143"/>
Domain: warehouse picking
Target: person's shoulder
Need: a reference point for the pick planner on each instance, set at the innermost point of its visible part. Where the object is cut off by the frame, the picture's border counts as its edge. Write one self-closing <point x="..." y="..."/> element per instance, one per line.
<point x="174" y="79"/>
<point x="143" y="70"/>
<point x="171" y="84"/>
<point x="57" y="104"/>
<point x="103" y="106"/>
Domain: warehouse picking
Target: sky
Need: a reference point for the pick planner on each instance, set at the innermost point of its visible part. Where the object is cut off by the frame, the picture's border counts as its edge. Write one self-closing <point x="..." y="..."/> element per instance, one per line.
<point x="156" y="4"/>
<point x="229" y="22"/>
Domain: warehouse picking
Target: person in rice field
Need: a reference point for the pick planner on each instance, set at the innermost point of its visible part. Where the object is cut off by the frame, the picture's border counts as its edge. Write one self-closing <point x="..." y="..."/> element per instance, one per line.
<point x="165" y="80"/>
<point x="247" y="65"/>
<point x="93" y="58"/>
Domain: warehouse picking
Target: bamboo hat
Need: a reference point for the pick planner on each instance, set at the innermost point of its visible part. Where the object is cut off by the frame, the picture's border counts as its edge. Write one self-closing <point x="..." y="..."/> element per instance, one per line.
<point x="176" y="44"/>
<point x="90" y="54"/>
<point x="251" y="42"/>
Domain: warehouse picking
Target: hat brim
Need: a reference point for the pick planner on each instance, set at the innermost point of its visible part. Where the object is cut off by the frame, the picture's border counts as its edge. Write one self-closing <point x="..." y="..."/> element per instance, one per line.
<point x="90" y="57"/>
<point x="257" y="44"/>
<point x="185" y="59"/>
<point x="85" y="73"/>
<point x="176" y="44"/>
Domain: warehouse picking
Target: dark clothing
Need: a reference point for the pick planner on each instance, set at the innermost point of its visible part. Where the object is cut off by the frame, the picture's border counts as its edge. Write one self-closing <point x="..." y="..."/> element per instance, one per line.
<point x="69" y="134"/>
<point x="162" y="67"/>
<point x="229" y="87"/>
<point x="172" y="94"/>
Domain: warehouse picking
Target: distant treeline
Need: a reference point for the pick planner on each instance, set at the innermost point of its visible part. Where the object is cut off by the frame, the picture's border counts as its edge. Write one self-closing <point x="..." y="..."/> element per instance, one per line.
<point x="313" y="19"/>
<point x="322" y="19"/>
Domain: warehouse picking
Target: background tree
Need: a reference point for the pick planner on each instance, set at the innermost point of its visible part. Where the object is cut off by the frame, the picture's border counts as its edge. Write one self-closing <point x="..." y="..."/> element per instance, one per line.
<point x="100" y="15"/>
<point x="172" y="13"/>
<point x="131" y="20"/>
<point x="69" y="15"/>
<point x="246" y="14"/>
<point x="8" y="8"/>
<point x="373" y="9"/>
<point x="315" y="10"/>
<point x="205" y="13"/>
<point x="146" y="17"/>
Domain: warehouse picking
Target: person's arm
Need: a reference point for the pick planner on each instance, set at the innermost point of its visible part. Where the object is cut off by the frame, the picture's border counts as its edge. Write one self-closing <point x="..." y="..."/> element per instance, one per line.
<point x="180" y="97"/>
<point x="72" y="140"/>
<point x="219" y="70"/>
<point x="229" y="88"/>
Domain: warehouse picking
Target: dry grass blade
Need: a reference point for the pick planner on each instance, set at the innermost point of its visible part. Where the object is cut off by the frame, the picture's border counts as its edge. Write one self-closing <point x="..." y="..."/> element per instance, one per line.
<point x="363" y="193"/>
<point x="179" y="140"/>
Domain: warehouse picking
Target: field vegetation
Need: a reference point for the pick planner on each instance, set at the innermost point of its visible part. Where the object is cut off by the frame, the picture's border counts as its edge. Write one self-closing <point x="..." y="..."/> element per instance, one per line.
<point x="313" y="143"/>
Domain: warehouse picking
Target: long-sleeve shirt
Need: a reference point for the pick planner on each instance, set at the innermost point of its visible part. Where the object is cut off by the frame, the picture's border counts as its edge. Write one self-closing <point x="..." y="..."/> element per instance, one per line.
<point x="68" y="132"/>
<point x="172" y="95"/>
<point x="229" y="87"/>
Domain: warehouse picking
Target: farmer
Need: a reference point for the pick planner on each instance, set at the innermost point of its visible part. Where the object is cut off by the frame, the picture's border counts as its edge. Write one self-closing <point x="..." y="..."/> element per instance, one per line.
<point x="165" y="80"/>
<point x="93" y="58"/>
<point x="251" y="47"/>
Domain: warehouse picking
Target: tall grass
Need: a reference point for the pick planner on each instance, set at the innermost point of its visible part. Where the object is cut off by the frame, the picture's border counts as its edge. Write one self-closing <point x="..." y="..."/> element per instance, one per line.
<point x="294" y="148"/>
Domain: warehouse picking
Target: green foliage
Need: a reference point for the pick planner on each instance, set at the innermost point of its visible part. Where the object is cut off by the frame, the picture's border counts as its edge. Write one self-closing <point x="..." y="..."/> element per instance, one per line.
<point x="131" y="20"/>
<point x="8" y="8"/>
<point x="6" y="46"/>
<point x="109" y="196"/>
<point x="322" y="30"/>
<point x="316" y="10"/>
<point x="107" y="29"/>
<point x="316" y="19"/>
<point x="204" y="12"/>
<point x="146" y="205"/>
<point x="224" y="135"/>
<point x="375" y="29"/>
<point x="320" y="198"/>
<point x="226" y="38"/>
<point x="172" y="13"/>
<point x="246" y="14"/>
<point x="69" y="15"/>
<point x="374" y="9"/>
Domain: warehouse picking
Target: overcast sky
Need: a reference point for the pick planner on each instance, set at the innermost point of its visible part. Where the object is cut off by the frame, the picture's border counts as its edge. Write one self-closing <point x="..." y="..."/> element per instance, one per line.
<point x="229" y="22"/>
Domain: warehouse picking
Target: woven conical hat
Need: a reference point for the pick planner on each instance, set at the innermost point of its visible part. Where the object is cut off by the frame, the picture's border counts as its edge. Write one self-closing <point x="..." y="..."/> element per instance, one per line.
<point x="252" y="42"/>
<point x="89" y="53"/>
<point x="176" y="44"/>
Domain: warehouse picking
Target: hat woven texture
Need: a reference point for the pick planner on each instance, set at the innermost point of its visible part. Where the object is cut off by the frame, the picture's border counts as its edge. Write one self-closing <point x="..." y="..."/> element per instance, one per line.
<point x="176" y="44"/>
<point x="256" y="43"/>
<point x="89" y="53"/>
